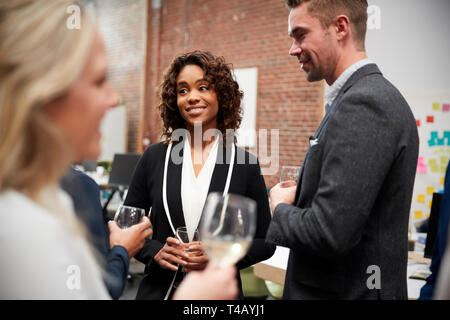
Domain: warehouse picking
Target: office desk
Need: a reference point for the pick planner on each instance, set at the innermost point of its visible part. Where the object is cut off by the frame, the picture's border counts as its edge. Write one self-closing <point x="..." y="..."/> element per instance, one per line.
<point x="274" y="269"/>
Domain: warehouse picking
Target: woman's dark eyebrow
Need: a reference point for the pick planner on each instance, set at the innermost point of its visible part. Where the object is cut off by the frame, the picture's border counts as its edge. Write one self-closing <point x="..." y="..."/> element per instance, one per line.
<point x="185" y="83"/>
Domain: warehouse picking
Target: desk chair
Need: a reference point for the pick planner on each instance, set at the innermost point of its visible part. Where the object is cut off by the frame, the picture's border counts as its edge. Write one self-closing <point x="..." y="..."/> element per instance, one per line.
<point x="433" y="224"/>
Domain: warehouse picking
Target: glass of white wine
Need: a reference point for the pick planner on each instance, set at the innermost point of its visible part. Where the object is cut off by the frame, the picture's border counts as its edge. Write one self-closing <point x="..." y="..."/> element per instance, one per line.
<point x="186" y="237"/>
<point x="227" y="227"/>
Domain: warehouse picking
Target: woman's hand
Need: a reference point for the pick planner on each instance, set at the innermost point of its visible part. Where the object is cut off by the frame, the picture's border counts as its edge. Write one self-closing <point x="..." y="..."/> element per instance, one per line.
<point x="197" y="259"/>
<point x="172" y="255"/>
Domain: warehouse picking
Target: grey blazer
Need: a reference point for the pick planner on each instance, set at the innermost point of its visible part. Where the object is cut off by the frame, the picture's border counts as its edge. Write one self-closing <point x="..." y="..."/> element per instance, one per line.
<point x="351" y="213"/>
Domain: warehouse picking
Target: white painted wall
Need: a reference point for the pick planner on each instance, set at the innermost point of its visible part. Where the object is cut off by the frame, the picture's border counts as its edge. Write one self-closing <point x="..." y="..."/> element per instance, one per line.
<point x="248" y="83"/>
<point x="412" y="49"/>
<point x="114" y="129"/>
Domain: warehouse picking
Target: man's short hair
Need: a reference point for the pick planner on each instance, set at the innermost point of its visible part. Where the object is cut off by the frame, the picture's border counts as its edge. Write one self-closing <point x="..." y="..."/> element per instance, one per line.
<point x="327" y="10"/>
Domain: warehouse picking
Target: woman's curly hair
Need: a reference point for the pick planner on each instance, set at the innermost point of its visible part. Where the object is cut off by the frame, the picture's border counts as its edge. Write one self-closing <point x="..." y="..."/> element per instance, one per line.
<point x="218" y="74"/>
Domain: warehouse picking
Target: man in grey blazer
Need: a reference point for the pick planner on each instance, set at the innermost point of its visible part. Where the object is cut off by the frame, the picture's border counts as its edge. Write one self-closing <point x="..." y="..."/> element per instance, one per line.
<point x="346" y="219"/>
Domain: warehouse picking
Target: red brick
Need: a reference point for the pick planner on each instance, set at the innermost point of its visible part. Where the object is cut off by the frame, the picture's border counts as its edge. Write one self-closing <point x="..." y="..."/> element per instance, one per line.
<point x="141" y="42"/>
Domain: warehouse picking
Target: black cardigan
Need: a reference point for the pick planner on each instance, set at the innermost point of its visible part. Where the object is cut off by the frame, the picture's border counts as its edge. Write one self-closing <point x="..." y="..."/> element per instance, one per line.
<point x="146" y="191"/>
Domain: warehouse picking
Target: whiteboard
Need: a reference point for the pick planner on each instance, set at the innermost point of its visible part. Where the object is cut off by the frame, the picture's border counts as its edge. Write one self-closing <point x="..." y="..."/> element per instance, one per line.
<point x="113" y="129"/>
<point x="409" y="41"/>
<point x="248" y="82"/>
<point x="432" y="115"/>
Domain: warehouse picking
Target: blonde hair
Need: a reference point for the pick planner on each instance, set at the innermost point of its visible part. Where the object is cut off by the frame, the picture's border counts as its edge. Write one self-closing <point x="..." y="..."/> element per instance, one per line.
<point x="40" y="58"/>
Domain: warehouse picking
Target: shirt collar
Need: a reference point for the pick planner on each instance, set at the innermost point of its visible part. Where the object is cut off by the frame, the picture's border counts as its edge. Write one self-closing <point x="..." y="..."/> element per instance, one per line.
<point x="334" y="89"/>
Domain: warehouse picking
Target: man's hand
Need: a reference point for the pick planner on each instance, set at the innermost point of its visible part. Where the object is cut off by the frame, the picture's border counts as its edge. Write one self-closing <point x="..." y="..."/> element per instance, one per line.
<point x="283" y="192"/>
<point x="133" y="238"/>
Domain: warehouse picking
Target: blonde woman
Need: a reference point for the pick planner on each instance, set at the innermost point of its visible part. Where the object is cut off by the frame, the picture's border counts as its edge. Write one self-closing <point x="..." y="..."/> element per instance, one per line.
<point x="53" y="95"/>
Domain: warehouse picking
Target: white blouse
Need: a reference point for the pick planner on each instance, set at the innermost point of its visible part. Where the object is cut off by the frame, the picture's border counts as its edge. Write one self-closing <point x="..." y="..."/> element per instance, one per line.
<point x="40" y="259"/>
<point x="194" y="190"/>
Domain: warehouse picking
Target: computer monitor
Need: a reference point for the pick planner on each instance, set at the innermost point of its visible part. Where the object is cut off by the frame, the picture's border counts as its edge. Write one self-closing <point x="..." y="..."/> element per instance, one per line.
<point x="122" y="169"/>
<point x="433" y="224"/>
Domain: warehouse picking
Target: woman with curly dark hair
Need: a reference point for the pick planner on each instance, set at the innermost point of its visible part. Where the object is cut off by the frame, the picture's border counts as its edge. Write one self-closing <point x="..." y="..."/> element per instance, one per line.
<point x="200" y="109"/>
<point x="217" y="74"/>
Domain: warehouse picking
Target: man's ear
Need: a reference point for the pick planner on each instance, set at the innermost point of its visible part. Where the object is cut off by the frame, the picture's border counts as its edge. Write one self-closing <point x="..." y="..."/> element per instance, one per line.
<point x="342" y="27"/>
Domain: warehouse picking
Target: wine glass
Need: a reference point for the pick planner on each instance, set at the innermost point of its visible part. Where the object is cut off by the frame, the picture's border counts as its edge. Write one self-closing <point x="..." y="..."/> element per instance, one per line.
<point x="185" y="237"/>
<point x="289" y="173"/>
<point x="127" y="216"/>
<point x="227" y="227"/>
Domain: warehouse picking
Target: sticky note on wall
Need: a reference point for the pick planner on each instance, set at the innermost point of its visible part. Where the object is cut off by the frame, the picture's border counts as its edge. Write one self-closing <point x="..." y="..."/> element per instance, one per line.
<point x="442" y="180"/>
<point x="436" y="106"/>
<point x="421" y="166"/>
<point x="421" y="198"/>
<point x="434" y="167"/>
<point x="430" y="190"/>
<point x="446" y="107"/>
<point x="430" y="119"/>
<point x="429" y="204"/>
<point x="418" y="214"/>
<point x="435" y="140"/>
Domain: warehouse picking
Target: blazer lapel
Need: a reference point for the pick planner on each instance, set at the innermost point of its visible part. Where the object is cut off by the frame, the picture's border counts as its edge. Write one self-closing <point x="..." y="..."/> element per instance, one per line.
<point x="300" y="176"/>
<point x="363" y="71"/>
<point x="174" y="173"/>
<point x="220" y="173"/>
<point x="174" y="187"/>
<point x="315" y="136"/>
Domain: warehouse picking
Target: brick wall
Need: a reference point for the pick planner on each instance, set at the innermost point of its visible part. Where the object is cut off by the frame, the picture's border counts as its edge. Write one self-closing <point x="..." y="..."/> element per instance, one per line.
<point x="123" y="24"/>
<point x="251" y="33"/>
<point x="142" y="41"/>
